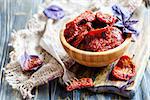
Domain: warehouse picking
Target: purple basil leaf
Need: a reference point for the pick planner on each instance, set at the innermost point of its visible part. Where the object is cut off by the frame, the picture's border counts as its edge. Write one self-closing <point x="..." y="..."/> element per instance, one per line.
<point x="126" y="31"/>
<point x="54" y="12"/>
<point x="125" y="21"/>
<point x="120" y="12"/>
<point x="119" y="24"/>
<point x="123" y="18"/>
<point x="23" y="59"/>
<point x="134" y="31"/>
<point x="131" y="30"/>
<point x="130" y="15"/>
<point x="116" y="10"/>
<point x="54" y="8"/>
<point x="131" y="22"/>
<point x="119" y="18"/>
<point x="125" y="15"/>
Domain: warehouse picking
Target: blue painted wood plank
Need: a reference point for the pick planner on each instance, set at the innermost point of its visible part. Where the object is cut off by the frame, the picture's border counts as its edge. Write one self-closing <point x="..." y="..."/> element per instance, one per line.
<point x="13" y="15"/>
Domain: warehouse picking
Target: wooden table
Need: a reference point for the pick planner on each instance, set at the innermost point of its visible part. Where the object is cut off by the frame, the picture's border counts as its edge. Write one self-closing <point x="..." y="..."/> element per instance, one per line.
<point x="13" y="15"/>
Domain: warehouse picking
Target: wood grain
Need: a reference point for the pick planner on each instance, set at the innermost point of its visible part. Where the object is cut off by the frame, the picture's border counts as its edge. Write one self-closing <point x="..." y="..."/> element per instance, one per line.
<point x="14" y="14"/>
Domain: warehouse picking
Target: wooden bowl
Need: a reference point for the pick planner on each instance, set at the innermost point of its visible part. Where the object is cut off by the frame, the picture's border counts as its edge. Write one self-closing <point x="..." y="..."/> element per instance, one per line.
<point x="94" y="59"/>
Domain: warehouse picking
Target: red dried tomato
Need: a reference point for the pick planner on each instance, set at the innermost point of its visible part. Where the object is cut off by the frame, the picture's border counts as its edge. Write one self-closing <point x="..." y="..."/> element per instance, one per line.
<point x="32" y="63"/>
<point x="124" y="69"/>
<point x="81" y="83"/>
<point x="108" y="19"/>
<point x="102" y="39"/>
<point x="71" y="31"/>
<point x="78" y="25"/>
<point x="98" y="32"/>
<point x="87" y="16"/>
<point x="83" y="30"/>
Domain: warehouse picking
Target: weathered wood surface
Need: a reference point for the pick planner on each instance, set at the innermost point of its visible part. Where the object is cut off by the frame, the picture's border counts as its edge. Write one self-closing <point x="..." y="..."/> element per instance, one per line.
<point x="13" y="15"/>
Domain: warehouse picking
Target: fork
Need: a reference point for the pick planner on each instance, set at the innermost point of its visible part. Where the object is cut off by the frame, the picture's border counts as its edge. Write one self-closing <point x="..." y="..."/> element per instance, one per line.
<point x="47" y="44"/>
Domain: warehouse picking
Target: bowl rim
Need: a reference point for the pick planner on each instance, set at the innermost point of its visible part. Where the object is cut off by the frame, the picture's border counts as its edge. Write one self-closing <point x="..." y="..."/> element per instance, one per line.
<point x="110" y="51"/>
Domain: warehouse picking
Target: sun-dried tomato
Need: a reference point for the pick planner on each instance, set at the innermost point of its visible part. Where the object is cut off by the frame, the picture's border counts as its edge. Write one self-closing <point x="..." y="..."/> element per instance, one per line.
<point x="106" y="18"/>
<point x="87" y="16"/>
<point x="71" y="31"/>
<point x="83" y="30"/>
<point x="31" y="63"/>
<point x="78" y="25"/>
<point x="103" y="39"/>
<point x="124" y="69"/>
<point x="98" y="32"/>
<point x="81" y="83"/>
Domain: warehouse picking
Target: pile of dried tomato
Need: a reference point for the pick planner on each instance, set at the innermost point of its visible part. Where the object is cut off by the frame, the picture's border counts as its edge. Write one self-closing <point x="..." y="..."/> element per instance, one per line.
<point x="93" y="32"/>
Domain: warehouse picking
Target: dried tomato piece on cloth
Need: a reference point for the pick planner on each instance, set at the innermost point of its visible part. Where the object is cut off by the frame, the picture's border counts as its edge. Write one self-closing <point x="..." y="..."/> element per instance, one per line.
<point x="30" y="62"/>
<point x="106" y="18"/>
<point x="124" y="69"/>
<point x="81" y="83"/>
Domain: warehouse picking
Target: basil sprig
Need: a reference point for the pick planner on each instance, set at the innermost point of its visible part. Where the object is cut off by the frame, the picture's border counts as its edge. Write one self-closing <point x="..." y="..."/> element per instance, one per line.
<point x="124" y="20"/>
